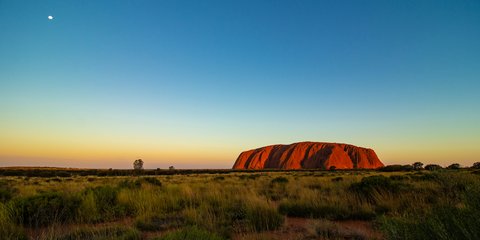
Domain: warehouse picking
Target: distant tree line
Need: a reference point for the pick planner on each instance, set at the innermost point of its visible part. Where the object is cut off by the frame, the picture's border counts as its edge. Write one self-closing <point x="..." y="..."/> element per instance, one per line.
<point x="419" y="166"/>
<point x="139" y="170"/>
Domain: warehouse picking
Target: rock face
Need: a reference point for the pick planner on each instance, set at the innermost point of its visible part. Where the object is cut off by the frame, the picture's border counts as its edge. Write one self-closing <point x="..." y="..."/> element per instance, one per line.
<point x="304" y="155"/>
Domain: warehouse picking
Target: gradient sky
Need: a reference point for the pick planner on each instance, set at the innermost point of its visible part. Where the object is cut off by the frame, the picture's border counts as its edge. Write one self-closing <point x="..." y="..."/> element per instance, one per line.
<point x="194" y="83"/>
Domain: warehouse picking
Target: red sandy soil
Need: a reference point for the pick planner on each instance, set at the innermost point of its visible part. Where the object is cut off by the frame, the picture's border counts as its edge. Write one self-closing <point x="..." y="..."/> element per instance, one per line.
<point x="303" y="229"/>
<point x="293" y="229"/>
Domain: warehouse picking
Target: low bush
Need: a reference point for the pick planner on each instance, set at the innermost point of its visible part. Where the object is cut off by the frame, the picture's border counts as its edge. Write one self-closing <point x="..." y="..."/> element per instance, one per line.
<point x="6" y="191"/>
<point x="153" y="181"/>
<point x="130" y="184"/>
<point x="396" y="168"/>
<point x="45" y="208"/>
<point x="433" y="167"/>
<point x="442" y="224"/>
<point x="337" y="179"/>
<point x="8" y="229"/>
<point x="369" y="186"/>
<point x="261" y="216"/>
<point x="249" y="176"/>
<point x="425" y="177"/>
<point x="219" y="178"/>
<point x="101" y="204"/>
<point x="279" y="180"/>
<point x="398" y="177"/>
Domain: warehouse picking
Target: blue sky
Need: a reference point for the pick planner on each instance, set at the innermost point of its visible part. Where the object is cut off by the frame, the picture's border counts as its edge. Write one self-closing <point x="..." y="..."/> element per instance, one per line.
<point x="194" y="83"/>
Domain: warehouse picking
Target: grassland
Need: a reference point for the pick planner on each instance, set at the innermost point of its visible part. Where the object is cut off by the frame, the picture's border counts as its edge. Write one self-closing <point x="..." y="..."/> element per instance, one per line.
<point x="441" y="204"/>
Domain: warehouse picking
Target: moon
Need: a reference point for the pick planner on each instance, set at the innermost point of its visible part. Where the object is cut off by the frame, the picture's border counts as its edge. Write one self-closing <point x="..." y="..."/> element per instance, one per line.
<point x="50" y="17"/>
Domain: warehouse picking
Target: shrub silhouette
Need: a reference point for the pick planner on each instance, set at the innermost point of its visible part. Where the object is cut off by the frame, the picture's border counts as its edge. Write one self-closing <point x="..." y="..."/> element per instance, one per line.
<point x="476" y="165"/>
<point x="454" y="166"/>
<point x="433" y="167"/>
<point x="138" y="164"/>
<point x="396" y="168"/>
<point x="417" y="166"/>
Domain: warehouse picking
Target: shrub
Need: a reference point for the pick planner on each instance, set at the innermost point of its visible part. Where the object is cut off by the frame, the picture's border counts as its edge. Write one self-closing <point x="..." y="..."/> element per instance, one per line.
<point x="396" y="168"/>
<point x="153" y="181"/>
<point x="190" y="233"/>
<point x="130" y="184"/>
<point x="45" y="208"/>
<point x="398" y="177"/>
<point x="417" y="166"/>
<point x="63" y="174"/>
<point x="476" y="165"/>
<point x="105" y="204"/>
<point x="425" y="177"/>
<point x="249" y="176"/>
<point x="368" y="186"/>
<point x="337" y="179"/>
<point x="454" y="166"/>
<point x="280" y="180"/>
<point x="261" y="216"/>
<point x="219" y="178"/>
<point x="6" y="191"/>
<point x="8" y="229"/>
<point x="433" y="167"/>
<point x="444" y="223"/>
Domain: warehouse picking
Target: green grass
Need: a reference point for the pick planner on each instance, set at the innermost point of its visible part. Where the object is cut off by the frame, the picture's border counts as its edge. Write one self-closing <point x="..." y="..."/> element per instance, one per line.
<point x="442" y="204"/>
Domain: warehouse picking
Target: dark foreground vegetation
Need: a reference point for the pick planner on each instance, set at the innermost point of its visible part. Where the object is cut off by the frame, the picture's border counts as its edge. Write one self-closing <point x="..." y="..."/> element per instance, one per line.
<point x="223" y="204"/>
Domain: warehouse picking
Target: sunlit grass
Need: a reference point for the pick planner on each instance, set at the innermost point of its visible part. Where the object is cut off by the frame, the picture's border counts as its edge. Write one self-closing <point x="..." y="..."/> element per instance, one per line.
<point x="239" y="204"/>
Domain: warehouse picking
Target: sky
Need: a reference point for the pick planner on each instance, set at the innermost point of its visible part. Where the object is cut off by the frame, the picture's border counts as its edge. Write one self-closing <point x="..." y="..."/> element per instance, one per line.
<point x="193" y="83"/>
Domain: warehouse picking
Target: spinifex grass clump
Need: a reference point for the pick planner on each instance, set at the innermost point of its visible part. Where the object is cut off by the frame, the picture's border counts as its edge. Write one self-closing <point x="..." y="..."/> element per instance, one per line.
<point x="101" y="204"/>
<point x="6" y="191"/>
<point x="453" y="216"/>
<point x="8" y="228"/>
<point x="153" y="181"/>
<point x="261" y="216"/>
<point x="279" y="180"/>
<point x="45" y="209"/>
<point x="368" y="187"/>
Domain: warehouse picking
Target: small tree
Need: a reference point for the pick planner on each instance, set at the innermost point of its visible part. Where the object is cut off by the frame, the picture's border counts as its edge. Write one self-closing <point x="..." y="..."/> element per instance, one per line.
<point x="138" y="164"/>
<point x="432" y="167"/>
<point x="417" y="166"/>
<point x="171" y="168"/>
<point x="454" y="166"/>
<point x="332" y="168"/>
<point x="476" y="165"/>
